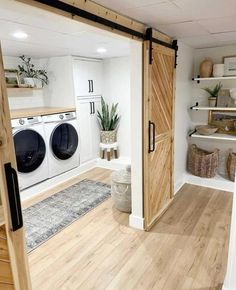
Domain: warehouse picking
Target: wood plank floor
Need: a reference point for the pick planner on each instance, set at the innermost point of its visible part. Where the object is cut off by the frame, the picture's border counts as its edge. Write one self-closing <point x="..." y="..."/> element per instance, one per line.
<point x="187" y="249"/>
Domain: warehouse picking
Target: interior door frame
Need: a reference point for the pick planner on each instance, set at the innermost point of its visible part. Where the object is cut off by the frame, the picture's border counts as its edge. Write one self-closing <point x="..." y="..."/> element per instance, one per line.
<point x="15" y="239"/>
<point x="147" y="62"/>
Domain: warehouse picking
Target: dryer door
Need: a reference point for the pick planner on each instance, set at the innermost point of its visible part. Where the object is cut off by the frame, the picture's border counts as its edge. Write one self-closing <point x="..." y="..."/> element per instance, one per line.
<point x="30" y="150"/>
<point x="64" y="141"/>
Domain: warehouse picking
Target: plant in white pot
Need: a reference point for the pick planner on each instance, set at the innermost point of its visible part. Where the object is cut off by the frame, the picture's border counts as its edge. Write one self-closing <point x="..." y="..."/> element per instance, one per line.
<point x="213" y="94"/>
<point x="32" y="77"/>
<point x="108" y="120"/>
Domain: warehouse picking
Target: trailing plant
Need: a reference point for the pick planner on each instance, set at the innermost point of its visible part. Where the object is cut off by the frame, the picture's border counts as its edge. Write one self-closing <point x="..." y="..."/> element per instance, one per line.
<point x="108" y="119"/>
<point x="213" y="92"/>
<point x="27" y="69"/>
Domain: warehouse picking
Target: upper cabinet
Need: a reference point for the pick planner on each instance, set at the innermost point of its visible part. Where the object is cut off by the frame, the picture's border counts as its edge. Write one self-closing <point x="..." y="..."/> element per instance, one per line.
<point x="87" y="77"/>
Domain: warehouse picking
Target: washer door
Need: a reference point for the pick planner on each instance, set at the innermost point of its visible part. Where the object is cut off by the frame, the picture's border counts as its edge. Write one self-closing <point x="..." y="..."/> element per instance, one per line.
<point x="64" y="141"/>
<point x="30" y="150"/>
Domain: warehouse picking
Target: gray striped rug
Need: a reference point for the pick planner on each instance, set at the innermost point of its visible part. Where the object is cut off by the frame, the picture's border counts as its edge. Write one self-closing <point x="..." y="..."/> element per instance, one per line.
<point x="48" y="217"/>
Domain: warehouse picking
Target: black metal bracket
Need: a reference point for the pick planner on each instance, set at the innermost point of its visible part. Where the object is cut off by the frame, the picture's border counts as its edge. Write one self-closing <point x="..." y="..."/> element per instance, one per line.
<point x="190" y="134"/>
<point x="196" y="105"/>
<point x="13" y="197"/>
<point x="175" y="47"/>
<point x="149" y="38"/>
<point x="198" y="81"/>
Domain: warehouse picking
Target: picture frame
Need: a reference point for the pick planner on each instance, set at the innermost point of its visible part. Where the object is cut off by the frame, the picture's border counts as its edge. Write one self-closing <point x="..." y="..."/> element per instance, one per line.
<point x="225" y="121"/>
<point x="12" y="78"/>
<point x="230" y="65"/>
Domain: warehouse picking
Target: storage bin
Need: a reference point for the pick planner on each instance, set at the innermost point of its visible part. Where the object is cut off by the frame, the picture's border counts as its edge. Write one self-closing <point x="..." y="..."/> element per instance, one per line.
<point x="121" y="189"/>
<point x="202" y="163"/>
<point x="231" y="165"/>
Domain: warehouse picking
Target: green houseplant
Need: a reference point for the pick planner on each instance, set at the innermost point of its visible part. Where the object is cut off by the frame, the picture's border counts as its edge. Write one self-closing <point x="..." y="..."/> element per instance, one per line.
<point x="213" y="94"/>
<point x="32" y="77"/>
<point x="108" y="120"/>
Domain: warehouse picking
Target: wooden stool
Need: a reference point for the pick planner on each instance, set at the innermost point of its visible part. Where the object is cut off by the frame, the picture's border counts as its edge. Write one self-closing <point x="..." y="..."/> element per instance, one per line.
<point x="108" y="148"/>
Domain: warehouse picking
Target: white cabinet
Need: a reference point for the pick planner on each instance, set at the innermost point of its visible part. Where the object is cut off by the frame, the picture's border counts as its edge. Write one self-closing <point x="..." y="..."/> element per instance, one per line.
<point x="89" y="130"/>
<point x="87" y="77"/>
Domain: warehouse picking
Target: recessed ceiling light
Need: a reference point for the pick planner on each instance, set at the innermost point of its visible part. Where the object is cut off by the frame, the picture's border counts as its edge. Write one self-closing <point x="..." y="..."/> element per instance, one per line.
<point x="101" y="50"/>
<point x="20" y="35"/>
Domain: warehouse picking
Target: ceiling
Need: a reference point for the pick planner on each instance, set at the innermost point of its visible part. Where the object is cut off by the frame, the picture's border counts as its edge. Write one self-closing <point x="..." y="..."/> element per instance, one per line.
<point x="52" y="35"/>
<point x="198" y="23"/>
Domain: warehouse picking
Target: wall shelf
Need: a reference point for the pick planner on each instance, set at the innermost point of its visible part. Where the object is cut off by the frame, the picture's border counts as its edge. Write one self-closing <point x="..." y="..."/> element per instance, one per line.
<point x="198" y="79"/>
<point x="2" y="220"/>
<point x="23" y="89"/>
<point x="215" y="136"/>
<point x="197" y="108"/>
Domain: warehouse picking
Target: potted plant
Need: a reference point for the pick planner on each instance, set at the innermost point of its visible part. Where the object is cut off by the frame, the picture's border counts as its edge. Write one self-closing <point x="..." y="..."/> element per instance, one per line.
<point x="108" y="120"/>
<point x="32" y="77"/>
<point x="213" y="92"/>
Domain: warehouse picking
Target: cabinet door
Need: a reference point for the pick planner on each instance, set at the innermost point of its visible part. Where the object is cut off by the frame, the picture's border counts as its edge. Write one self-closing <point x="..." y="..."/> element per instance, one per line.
<point x="81" y="78"/>
<point x="96" y="127"/>
<point x="87" y="77"/>
<point x="95" y="75"/>
<point x="84" y="109"/>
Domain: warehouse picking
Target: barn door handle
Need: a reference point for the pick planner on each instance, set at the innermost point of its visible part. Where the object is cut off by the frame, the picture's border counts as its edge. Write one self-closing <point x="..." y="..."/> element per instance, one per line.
<point x="13" y="197"/>
<point x="89" y="86"/>
<point x="91" y="108"/>
<point x="151" y="137"/>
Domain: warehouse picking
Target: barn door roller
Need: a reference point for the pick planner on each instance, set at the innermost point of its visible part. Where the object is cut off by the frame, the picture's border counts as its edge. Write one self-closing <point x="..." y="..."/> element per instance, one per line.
<point x="149" y="37"/>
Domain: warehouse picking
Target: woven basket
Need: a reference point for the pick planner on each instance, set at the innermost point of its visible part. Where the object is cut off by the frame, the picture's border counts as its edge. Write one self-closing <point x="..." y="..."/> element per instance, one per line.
<point x="108" y="137"/>
<point x="231" y="165"/>
<point x="202" y="163"/>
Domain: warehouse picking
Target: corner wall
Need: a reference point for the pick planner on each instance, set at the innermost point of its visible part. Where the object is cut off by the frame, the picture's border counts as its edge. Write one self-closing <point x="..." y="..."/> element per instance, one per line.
<point x="183" y="100"/>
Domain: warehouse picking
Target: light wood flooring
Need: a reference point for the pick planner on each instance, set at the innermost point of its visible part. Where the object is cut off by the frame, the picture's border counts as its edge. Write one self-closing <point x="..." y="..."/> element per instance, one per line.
<point x="186" y="249"/>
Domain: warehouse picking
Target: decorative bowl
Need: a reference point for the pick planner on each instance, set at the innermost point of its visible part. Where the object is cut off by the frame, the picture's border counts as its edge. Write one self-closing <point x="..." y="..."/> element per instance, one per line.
<point x="206" y="129"/>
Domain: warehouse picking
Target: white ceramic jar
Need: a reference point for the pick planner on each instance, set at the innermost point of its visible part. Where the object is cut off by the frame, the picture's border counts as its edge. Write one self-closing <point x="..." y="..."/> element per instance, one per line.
<point x="218" y="70"/>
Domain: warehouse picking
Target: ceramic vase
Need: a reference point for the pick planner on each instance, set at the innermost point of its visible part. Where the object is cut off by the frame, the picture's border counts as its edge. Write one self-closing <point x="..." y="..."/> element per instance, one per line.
<point x="206" y="68"/>
<point x="29" y="82"/>
<point x="218" y="70"/>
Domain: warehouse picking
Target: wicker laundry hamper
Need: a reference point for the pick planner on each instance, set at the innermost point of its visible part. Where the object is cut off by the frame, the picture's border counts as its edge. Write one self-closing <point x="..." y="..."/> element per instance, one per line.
<point x="202" y="163"/>
<point x="231" y="165"/>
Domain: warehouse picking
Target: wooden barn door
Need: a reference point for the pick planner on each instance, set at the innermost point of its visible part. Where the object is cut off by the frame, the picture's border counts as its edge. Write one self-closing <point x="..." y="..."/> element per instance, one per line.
<point x="14" y="273"/>
<point x="159" y="79"/>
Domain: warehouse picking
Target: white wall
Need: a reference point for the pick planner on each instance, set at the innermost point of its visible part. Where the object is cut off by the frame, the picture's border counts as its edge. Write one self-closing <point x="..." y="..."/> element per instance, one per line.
<point x="136" y="218"/>
<point x="60" y="91"/>
<point x="23" y="99"/>
<point x="116" y="89"/>
<point x="183" y="100"/>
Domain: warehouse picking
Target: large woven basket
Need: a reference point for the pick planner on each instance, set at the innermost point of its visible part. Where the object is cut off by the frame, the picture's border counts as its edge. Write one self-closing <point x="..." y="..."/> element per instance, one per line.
<point x="202" y="163"/>
<point x="231" y="165"/>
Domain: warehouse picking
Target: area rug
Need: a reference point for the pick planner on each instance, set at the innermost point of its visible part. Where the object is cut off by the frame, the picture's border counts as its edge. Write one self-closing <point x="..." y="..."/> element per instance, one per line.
<point x="46" y="218"/>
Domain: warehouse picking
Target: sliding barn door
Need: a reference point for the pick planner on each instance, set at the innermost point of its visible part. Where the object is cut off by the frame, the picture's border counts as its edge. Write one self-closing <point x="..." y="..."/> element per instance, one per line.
<point x="159" y="77"/>
<point x="14" y="273"/>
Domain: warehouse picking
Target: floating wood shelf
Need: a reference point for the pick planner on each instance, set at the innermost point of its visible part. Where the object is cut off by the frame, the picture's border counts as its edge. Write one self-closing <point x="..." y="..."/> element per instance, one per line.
<point x="198" y="79"/>
<point x="2" y="220"/>
<point x="23" y="89"/>
<point x="196" y="108"/>
<point x="215" y="136"/>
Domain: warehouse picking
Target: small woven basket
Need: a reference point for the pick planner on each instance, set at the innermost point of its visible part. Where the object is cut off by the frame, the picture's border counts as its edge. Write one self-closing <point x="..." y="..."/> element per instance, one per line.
<point x="231" y="165"/>
<point x="202" y="163"/>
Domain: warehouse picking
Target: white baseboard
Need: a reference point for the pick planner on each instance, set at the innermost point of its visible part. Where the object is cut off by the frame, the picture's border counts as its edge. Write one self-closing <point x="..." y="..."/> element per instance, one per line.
<point x="57" y="180"/>
<point x="178" y="185"/>
<point x="136" y="222"/>
<point x="114" y="164"/>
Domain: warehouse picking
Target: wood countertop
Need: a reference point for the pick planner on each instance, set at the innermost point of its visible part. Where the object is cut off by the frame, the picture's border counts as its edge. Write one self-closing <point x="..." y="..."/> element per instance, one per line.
<point x="31" y="112"/>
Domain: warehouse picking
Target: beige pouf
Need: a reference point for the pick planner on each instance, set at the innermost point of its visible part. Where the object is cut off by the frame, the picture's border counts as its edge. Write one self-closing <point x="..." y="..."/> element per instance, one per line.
<point x="121" y="189"/>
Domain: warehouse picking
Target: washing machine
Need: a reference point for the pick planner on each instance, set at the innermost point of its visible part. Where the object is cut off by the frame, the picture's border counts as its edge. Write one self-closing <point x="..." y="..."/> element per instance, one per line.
<point x="62" y="142"/>
<point x="30" y="148"/>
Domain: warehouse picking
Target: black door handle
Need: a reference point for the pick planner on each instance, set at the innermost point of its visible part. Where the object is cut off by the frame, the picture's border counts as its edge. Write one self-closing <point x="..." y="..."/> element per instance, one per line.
<point x="92" y="86"/>
<point x="151" y="133"/>
<point x="91" y="108"/>
<point x="13" y="197"/>
<point x="89" y="86"/>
